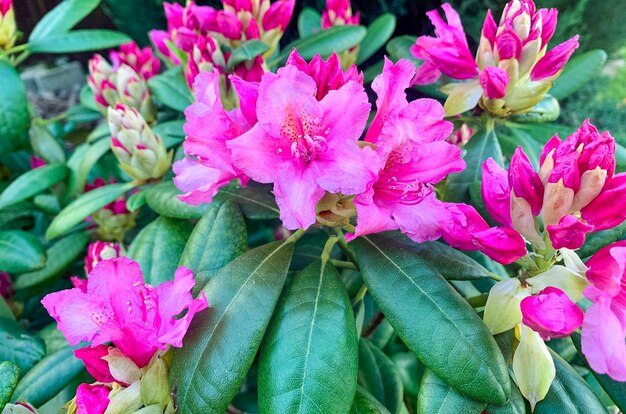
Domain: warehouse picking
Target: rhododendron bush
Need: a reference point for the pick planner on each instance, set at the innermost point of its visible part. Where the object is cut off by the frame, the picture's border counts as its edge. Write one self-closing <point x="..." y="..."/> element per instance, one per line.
<point x="232" y="221"/>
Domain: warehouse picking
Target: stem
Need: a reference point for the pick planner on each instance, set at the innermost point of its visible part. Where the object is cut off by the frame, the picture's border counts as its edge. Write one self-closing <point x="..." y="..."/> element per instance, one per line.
<point x="343" y="264"/>
<point x="343" y="245"/>
<point x="377" y="320"/>
<point x="328" y="247"/>
<point x="18" y="48"/>
<point x="349" y="227"/>
<point x="21" y="57"/>
<point x="296" y="236"/>
<point x="233" y="410"/>
<point x="495" y="276"/>
<point x="360" y="294"/>
<point x="478" y="301"/>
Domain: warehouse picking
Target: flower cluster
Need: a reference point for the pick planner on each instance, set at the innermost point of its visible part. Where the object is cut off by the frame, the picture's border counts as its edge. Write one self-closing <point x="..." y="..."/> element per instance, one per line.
<point x="141" y="322"/>
<point x="339" y="13"/>
<point x="8" y="28"/>
<point x="513" y="68"/>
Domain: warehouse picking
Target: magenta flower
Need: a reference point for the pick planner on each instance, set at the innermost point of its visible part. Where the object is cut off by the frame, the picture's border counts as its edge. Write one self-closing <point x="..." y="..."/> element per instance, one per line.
<point x="92" y="399"/>
<point x="140" y="60"/>
<point x="306" y="147"/>
<point x="338" y="13"/>
<point x="36" y="162"/>
<point x="119" y="307"/>
<point x="604" y="326"/>
<point x="92" y="357"/>
<point x="5" y="6"/>
<point x="99" y="251"/>
<point x="551" y="314"/>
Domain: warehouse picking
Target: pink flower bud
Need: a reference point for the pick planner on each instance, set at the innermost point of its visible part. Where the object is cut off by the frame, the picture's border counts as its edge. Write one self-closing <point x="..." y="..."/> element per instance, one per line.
<point x="99" y="251"/>
<point x="551" y="314"/>
<point x="494" y="82"/>
<point x="546" y="160"/>
<point x="279" y="14"/>
<point x="159" y="39"/>
<point x="5" y="6"/>
<point x="174" y="14"/>
<point x="569" y="233"/>
<point x="461" y="136"/>
<point x="548" y="24"/>
<point x="36" y="162"/>
<point x="607" y="209"/>
<point x="525" y="182"/>
<point x="8" y="28"/>
<point x="490" y="28"/>
<point x="95" y="365"/>
<point x="338" y="13"/>
<point x="228" y="25"/>
<point x="508" y="44"/>
<point x="102" y="82"/>
<point x="553" y="61"/>
<point x="496" y="192"/>
<point x="92" y="399"/>
<point x="142" y="61"/>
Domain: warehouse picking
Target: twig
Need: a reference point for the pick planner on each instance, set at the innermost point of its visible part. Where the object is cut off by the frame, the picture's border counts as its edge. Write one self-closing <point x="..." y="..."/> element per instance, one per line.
<point x="378" y="319"/>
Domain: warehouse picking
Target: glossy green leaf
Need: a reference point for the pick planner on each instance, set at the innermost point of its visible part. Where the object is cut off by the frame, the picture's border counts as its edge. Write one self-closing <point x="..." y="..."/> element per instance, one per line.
<point x="20" y="252"/>
<point x="247" y="51"/>
<point x="222" y="341"/>
<point x="371" y="72"/>
<point x="436" y="396"/>
<point x="171" y="89"/>
<point x="78" y="41"/>
<point x="547" y="110"/>
<point x="520" y="137"/>
<point x="218" y="238"/>
<point x="407" y="365"/>
<point x="163" y="199"/>
<point x="379" y="376"/>
<point x="9" y="374"/>
<point x="48" y="377"/>
<point x="18" y="346"/>
<point x="324" y="43"/>
<point x="309" y="359"/>
<point x="137" y="200"/>
<point x="569" y="393"/>
<point x="14" y="112"/>
<point x="44" y="144"/>
<point x="578" y="72"/>
<point x="90" y="158"/>
<point x="378" y="32"/>
<point x="309" y="22"/>
<point x="484" y="144"/>
<point x="63" y="18"/>
<point x="366" y="403"/>
<point x="60" y="256"/>
<point x="171" y="132"/>
<point x="615" y="390"/>
<point x="399" y="48"/>
<point x="255" y="202"/>
<point x="515" y="405"/>
<point x="84" y="206"/>
<point x="87" y="99"/>
<point x="466" y="355"/>
<point x="158" y="247"/>
<point x="32" y="182"/>
<point x="598" y="240"/>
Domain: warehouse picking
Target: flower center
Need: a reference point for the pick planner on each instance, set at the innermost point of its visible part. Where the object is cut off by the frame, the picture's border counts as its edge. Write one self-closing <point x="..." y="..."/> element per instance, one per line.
<point x="303" y="136"/>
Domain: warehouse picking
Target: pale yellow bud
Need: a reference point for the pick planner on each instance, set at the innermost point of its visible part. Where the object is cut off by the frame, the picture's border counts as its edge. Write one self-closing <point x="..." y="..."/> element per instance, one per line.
<point x="523" y="222"/>
<point x="155" y="389"/>
<point x="591" y="183"/>
<point x="557" y="202"/>
<point x="124" y="400"/>
<point x="502" y="310"/>
<point x="8" y="30"/>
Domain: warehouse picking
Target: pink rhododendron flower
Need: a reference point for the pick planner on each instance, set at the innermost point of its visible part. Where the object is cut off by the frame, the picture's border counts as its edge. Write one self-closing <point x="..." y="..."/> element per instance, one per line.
<point x="97" y="367"/>
<point x="142" y="61"/>
<point x="99" y="251"/>
<point x="551" y="314"/>
<point x="36" y="162"/>
<point x="576" y="190"/>
<point x="338" y="13"/>
<point x="92" y="399"/>
<point x="119" y="307"/>
<point x="306" y="147"/>
<point x="604" y="326"/>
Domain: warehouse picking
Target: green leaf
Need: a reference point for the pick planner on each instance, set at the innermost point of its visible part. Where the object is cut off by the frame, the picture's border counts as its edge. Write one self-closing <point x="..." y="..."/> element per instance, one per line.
<point x="48" y="377"/>
<point x="218" y="238"/>
<point x="171" y="89"/>
<point x="78" y="41"/>
<point x="435" y="396"/>
<point x="9" y="374"/>
<point x="578" y="72"/>
<point x="162" y="199"/>
<point x="85" y="205"/>
<point x="371" y="72"/>
<point x="408" y="367"/>
<point x="18" y="346"/>
<point x="547" y="110"/>
<point x="366" y="403"/>
<point x="44" y="144"/>
<point x="378" y="32"/>
<point x="597" y="240"/>
<point x="516" y="404"/>
<point x="90" y="158"/>
<point x="222" y="341"/>
<point x="521" y="137"/>
<point x="137" y="200"/>
<point x="614" y="389"/>
<point x="171" y="132"/>
<point x="484" y="144"/>
<point x="158" y="247"/>
<point x="336" y="39"/>
<point x="309" y="22"/>
<point x="255" y="203"/>
<point x="309" y="359"/>
<point x="247" y="51"/>
<point x="379" y="376"/>
<point x="32" y="182"/>
<point x="20" y="252"/>
<point x="63" y="18"/>
<point x="60" y="257"/>
<point x="569" y="393"/>
<point x="86" y="99"/>
<point x="14" y="112"/>
<point x="399" y="48"/>
<point x="466" y="355"/>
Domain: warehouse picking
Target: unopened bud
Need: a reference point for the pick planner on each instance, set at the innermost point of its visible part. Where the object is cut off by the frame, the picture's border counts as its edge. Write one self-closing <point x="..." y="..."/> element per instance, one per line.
<point x="124" y="400"/>
<point x="557" y="202"/>
<point x="563" y="278"/>
<point x="99" y="251"/>
<point x="122" y="368"/>
<point x="8" y="29"/>
<point x="155" y="389"/>
<point x="502" y="310"/>
<point x="134" y="92"/>
<point x="102" y="81"/>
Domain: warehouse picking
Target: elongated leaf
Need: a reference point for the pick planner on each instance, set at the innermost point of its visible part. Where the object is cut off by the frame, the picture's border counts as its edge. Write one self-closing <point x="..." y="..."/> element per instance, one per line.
<point x="577" y="72"/>
<point x="408" y="367"/>
<point x="371" y="72"/>
<point x="466" y="355"/>
<point x="171" y="89"/>
<point x="62" y="18"/>
<point x="170" y="132"/>
<point x="569" y="393"/>
<point x="484" y="144"/>
<point x="163" y="199"/>
<point x="32" y="182"/>
<point x="85" y="205"/>
<point x="366" y="403"/>
<point x="378" y="32"/>
<point x="18" y="346"/>
<point x="14" y="113"/>
<point x="379" y="376"/>
<point x="614" y="389"/>
<point x="60" y="257"/>
<point x="137" y="200"/>
<point x="158" y="247"/>
<point x="547" y="110"/>
<point x="9" y="374"/>
<point x="515" y="405"/>
<point x="309" y="358"/>
<point x="221" y="342"/>
<point x="324" y="43"/>
<point x="218" y="238"/>
<point x="596" y="241"/>
<point x="44" y="144"/>
<point x="309" y="22"/>
<point x="398" y="48"/>
<point x="247" y="51"/>
<point x="255" y="203"/>
<point x="89" y="159"/>
<point x="78" y="41"/>
<point x="435" y="396"/>
<point x="48" y="377"/>
<point x="20" y="252"/>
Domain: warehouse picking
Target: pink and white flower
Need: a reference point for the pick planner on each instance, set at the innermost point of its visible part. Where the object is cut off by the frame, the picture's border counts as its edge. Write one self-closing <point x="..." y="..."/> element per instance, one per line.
<point x="141" y="60"/>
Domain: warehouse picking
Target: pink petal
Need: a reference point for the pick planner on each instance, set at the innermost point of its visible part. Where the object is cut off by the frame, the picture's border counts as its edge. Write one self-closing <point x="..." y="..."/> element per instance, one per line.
<point x="606" y="210"/>
<point x="553" y="61"/>
<point x="95" y="365"/>
<point x="496" y="192"/>
<point x="259" y="155"/>
<point x="569" y="233"/>
<point x="525" y="182"/>
<point x="424" y="221"/>
<point x="551" y="313"/>
<point x="502" y="244"/>
<point x="371" y="217"/>
<point x="346" y="111"/>
<point x="92" y="399"/>
<point x="199" y="182"/>
<point x="346" y="169"/>
<point x="297" y="194"/>
<point x="607" y="268"/>
<point x="494" y="82"/>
